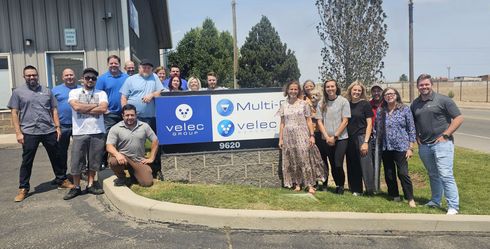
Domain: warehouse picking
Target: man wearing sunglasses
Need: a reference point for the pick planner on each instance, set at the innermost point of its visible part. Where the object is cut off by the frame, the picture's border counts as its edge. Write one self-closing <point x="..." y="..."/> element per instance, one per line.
<point x="88" y="108"/>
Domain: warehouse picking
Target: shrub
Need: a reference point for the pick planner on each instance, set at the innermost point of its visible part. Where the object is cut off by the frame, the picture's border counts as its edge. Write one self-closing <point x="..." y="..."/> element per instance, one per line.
<point x="450" y="94"/>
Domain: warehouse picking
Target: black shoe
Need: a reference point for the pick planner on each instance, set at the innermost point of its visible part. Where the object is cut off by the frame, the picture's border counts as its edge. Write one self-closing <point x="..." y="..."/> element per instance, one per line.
<point x="94" y="190"/>
<point x="54" y="181"/>
<point x="339" y="190"/>
<point x="74" y="192"/>
<point x="120" y="181"/>
<point x="159" y="175"/>
<point x="102" y="167"/>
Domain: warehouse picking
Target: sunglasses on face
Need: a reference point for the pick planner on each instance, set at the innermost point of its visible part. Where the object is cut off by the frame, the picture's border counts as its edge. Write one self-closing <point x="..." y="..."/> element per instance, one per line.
<point x="90" y="78"/>
<point x="389" y="94"/>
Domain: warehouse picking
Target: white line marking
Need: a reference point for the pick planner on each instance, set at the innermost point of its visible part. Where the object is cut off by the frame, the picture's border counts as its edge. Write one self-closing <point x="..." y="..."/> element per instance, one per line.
<point x="471" y="135"/>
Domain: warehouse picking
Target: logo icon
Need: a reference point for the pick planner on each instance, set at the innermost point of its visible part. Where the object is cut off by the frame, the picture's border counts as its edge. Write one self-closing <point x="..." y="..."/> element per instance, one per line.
<point x="225" y="107"/>
<point x="183" y="112"/>
<point x="226" y="128"/>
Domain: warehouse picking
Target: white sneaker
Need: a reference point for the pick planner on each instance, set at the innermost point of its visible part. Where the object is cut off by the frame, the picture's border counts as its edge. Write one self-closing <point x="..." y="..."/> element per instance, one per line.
<point x="452" y="211"/>
<point x="397" y="199"/>
<point x="432" y="204"/>
<point x="356" y="194"/>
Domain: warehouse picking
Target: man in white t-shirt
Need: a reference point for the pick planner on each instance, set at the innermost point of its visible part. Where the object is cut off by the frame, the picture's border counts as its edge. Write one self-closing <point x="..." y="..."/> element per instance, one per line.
<point x="88" y="108"/>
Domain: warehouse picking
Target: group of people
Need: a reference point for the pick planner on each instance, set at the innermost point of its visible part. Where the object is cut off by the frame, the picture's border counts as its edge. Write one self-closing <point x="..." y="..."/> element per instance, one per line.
<point x="317" y="131"/>
<point x="108" y="117"/>
<point x="175" y="83"/>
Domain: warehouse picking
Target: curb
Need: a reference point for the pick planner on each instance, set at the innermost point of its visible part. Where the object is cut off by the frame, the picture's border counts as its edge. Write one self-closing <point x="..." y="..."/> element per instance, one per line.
<point x="147" y="209"/>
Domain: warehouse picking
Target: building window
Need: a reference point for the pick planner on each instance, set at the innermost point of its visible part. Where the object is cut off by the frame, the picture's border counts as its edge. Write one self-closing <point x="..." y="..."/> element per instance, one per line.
<point x="57" y="62"/>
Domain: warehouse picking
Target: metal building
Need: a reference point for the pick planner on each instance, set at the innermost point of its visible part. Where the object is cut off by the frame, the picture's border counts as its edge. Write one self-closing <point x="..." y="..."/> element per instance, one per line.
<point x="54" y="34"/>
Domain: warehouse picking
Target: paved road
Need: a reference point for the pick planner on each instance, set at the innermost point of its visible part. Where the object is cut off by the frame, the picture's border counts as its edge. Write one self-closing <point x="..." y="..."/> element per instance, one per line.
<point x="475" y="131"/>
<point x="44" y="220"/>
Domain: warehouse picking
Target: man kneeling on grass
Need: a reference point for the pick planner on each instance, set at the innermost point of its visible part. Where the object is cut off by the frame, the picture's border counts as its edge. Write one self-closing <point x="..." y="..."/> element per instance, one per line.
<point x="126" y="146"/>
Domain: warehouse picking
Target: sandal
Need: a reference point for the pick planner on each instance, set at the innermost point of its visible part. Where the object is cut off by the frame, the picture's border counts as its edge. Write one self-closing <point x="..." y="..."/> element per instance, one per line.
<point x="311" y="190"/>
<point x="297" y="188"/>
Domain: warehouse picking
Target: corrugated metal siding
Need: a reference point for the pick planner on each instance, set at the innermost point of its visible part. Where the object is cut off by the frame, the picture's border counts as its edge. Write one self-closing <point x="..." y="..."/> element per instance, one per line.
<point x="44" y="21"/>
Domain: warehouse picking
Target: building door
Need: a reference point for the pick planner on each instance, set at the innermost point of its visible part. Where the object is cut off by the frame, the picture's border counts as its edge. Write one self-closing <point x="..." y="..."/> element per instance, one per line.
<point x="5" y="82"/>
<point x="57" y="62"/>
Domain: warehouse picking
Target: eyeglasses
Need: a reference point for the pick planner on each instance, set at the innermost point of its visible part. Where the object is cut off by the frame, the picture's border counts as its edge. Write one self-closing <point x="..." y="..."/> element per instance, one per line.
<point x="90" y="78"/>
<point x="389" y="94"/>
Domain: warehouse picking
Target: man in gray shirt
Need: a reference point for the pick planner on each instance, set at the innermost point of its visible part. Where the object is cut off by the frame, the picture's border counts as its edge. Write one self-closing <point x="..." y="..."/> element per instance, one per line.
<point x="35" y="118"/>
<point x="126" y="146"/>
<point x="436" y="119"/>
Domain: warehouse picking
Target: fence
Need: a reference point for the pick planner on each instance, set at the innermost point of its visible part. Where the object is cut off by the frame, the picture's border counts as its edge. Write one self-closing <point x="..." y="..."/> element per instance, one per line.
<point x="473" y="91"/>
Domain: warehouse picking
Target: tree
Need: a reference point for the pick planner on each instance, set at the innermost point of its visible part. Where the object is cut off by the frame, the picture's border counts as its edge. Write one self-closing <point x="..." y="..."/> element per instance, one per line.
<point x="204" y="49"/>
<point x="403" y="78"/>
<point x="264" y="60"/>
<point x="353" y="33"/>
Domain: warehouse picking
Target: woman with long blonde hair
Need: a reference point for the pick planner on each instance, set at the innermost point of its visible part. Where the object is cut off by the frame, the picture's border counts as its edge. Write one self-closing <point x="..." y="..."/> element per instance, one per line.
<point x="359" y="164"/>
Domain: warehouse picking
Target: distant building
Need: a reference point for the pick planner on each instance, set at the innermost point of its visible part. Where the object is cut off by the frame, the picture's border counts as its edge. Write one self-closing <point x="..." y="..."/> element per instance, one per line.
<point x="52" y="35"/>
<point x="467" y="78"/>
<point x="484" y="77"/>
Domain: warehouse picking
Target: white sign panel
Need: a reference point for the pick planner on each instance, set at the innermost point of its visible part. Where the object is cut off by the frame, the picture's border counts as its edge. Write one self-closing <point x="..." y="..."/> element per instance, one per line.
<point x="246" y="116"/>
<point x="70" y="37"/>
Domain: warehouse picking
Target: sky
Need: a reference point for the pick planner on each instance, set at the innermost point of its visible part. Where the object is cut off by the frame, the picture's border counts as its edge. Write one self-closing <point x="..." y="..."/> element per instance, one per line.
<point x="447" y="33"/>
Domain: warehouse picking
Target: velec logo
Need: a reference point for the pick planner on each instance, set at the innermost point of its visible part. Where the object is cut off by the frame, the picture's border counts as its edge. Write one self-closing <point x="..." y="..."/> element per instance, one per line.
<point x="183" y="112"/>
<point x="225" y="107"/>
<point x="226" y="128"/>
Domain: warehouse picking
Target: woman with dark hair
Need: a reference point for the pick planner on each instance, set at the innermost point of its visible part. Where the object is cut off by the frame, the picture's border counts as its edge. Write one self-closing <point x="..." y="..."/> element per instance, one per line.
<point x="175" y="84"/>
<point x="359" y="164"/>
<point x="302" y="164"/>
<point x="333" y="116"/>
<point x="396" y="129"/>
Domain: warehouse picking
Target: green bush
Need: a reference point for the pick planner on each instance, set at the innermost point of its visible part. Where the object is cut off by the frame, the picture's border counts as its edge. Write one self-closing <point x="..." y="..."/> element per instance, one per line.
<point x="450" y="94"/>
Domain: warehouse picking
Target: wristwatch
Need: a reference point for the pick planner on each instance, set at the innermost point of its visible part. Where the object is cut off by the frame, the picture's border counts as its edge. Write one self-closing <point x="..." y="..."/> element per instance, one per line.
<point x="446" y="136"/>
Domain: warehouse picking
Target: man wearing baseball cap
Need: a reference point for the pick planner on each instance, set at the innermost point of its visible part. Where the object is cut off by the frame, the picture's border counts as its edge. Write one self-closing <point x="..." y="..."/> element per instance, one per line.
<point x="88" y="108"/>
<point x="148" y="87"/>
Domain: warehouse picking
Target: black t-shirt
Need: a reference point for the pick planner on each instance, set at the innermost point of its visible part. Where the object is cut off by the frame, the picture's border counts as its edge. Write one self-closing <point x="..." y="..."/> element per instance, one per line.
<point x="359" y="111"/>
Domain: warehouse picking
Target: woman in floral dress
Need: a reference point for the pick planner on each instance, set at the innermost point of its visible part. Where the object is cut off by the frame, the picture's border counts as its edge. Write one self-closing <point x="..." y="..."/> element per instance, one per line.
<point x="302" y="164"/>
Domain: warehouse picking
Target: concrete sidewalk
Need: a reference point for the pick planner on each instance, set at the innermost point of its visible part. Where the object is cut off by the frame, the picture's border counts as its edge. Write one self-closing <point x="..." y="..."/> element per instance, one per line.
<point x="147" y="209"/>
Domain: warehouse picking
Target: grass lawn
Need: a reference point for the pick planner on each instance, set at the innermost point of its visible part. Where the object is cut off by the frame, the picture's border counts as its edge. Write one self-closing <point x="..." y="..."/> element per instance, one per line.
<point x="472" y="172"/>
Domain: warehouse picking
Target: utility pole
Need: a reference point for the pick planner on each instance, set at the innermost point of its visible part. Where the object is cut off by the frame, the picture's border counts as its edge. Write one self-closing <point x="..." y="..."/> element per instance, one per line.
<point x="410" y="48"/>
<point x="235" y="49"/>
<point x="448" y="73"/>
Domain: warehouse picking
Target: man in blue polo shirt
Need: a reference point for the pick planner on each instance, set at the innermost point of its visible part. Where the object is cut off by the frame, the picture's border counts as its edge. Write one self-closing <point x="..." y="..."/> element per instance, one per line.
<point x="61" y="92"/>
<point x="111" y="82"/>
<point x="140" y="91"/>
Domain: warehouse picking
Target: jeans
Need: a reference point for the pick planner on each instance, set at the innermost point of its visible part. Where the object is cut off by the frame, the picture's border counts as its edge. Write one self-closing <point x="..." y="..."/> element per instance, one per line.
<point x="29" y="149"/>
<point x="438" y="160"/>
